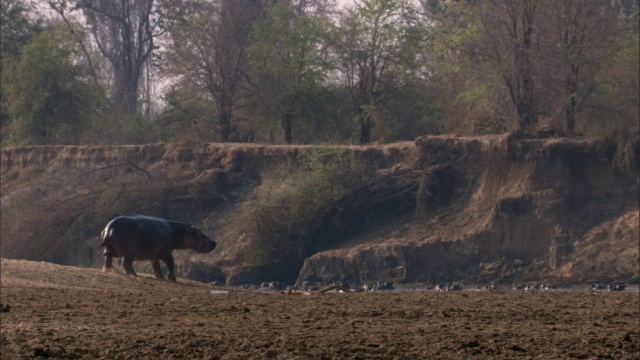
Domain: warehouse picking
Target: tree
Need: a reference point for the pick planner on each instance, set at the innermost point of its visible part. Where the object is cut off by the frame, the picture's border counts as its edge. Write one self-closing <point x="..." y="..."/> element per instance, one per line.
<point x="613" y="91"/>
<point x="288" y="63"/>
<point x="547" y="54"/>
<point x="17" y="29"/>
<point x="586" y="31"/>
<point x="508" y="32"/>
<point x="185" y="117"/>
<point x="369" y="50"/>
<point x="208" y="53"/>
<point x="125" y="33"/>
<point x="51" y="99"/>
<point x="485" y="52"/>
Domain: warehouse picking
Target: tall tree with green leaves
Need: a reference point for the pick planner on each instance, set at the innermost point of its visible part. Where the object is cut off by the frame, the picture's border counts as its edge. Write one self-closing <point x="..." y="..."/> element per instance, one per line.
<point x="288" y="63"/>
<point x="370" y="49"/>
<point x="51" y="99"/>
<point x="18" y="26"/>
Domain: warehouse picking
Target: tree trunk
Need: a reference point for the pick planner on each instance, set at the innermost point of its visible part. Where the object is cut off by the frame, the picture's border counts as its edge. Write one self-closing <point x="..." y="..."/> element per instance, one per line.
<point x="224" y="121"/>
<point x="365" y="127"/>
<point x="287" y="125"/>
<point x="572" y="101"/>
<point x="525" y="107"/>
<point x="365" y="132"/>
<point x="123" y="32"/>
<point x="125" y="96"/>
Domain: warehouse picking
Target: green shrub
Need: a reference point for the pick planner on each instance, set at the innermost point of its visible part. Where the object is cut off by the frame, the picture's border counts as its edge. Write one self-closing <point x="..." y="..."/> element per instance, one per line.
<point x="334" y="194"/>
<point x="292" y="211"/>
<point x="50" y="98"/>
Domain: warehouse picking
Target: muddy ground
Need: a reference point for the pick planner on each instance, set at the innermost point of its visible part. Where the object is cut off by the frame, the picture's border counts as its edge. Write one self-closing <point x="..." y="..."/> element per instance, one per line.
<point x="70" y="312"/>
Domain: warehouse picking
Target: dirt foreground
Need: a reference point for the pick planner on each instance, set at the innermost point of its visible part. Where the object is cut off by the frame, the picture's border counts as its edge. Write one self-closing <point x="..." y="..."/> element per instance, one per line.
<point x="68" y="312"/>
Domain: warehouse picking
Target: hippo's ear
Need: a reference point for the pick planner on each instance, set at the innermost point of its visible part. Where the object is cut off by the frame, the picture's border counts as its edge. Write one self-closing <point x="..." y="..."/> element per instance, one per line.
<point x="192" y="230"/>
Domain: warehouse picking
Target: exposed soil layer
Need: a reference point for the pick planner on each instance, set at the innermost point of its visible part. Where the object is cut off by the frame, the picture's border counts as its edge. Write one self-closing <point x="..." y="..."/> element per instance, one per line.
<point x="68" y="312"/>
<point x="505" y="208"/>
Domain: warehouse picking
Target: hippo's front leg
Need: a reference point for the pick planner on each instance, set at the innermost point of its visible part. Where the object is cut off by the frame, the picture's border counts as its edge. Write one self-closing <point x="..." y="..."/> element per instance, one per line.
<point x="156" y="269"/>
<point x="168" y="259"/>
<point x="127" y="263"/>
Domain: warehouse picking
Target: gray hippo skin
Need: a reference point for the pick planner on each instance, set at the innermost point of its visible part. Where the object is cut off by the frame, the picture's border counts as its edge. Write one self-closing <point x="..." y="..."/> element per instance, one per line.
<point x="140" y="237"/>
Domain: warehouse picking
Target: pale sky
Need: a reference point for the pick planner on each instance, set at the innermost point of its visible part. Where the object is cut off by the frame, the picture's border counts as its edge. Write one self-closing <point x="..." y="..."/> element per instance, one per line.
<point x="342" y="3"/>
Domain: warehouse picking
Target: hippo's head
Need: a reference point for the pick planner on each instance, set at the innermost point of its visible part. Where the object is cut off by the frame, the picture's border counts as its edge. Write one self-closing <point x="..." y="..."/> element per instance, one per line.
<point x="194" y="239"/>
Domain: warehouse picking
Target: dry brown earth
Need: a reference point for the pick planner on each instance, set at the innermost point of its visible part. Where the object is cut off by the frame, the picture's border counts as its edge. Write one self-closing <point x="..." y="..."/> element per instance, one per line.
<point x="70" y="312"/>
<point x="443" y="208"/>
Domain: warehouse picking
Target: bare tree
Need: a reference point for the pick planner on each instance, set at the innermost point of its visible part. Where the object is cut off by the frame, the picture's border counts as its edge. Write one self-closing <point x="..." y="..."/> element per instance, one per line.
<point x="586" y="33"/>
<point x="208" y="52"/>
<point x="124" y="32"/>
<point x="509" y="27"/>
<point x="547" y="53"/>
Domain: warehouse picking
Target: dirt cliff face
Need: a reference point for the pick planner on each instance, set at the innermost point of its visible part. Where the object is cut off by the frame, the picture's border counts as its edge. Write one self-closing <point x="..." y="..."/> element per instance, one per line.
<point x="496" y="209"/>
<point x="441" y="208"/>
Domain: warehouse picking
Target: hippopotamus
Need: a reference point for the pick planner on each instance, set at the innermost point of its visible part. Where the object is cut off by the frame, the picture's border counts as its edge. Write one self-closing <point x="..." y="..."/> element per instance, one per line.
<point x="141" y="237"/>
<point x="598" y="286"/>
<point x="617" y="286"/>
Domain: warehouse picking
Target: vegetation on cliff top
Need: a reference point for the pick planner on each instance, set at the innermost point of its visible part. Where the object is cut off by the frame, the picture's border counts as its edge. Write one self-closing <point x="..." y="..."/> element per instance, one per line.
<point x="309" y="72"/>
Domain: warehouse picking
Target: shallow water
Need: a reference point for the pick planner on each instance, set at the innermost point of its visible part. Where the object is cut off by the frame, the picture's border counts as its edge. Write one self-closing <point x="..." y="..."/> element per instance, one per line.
<point x="573" y="288"/>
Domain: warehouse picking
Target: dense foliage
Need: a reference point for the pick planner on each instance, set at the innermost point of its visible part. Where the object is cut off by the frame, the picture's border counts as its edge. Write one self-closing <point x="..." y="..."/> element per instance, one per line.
<point x="307" y="71"/>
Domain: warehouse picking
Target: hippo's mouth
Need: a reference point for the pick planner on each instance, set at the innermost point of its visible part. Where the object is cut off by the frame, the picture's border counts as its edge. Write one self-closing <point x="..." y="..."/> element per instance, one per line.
<point x="207" y="247"/>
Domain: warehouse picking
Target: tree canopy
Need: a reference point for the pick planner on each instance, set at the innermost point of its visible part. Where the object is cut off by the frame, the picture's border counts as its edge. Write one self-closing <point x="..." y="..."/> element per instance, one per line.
<point x="51" y="99"/>
<point x="308" y="71"/>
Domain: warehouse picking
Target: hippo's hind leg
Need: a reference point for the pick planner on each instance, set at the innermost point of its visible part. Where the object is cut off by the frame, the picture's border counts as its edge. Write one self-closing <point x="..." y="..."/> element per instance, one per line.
<point x="108" y="260"/>
<point x="127" y="263"/>
<point x="168" y="259"/>
<point x="156" y="269"/>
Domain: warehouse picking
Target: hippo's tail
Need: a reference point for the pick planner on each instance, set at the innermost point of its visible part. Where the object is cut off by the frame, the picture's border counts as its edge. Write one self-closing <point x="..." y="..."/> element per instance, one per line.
<point x="106" y="235"/>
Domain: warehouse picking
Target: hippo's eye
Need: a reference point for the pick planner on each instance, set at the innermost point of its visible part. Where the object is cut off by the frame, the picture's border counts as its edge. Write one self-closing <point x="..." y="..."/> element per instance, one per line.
<point x="192" y="230"/>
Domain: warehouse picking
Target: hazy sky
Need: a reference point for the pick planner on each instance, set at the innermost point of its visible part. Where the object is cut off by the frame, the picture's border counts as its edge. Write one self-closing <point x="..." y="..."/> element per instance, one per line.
<point x="342" y="3"/>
